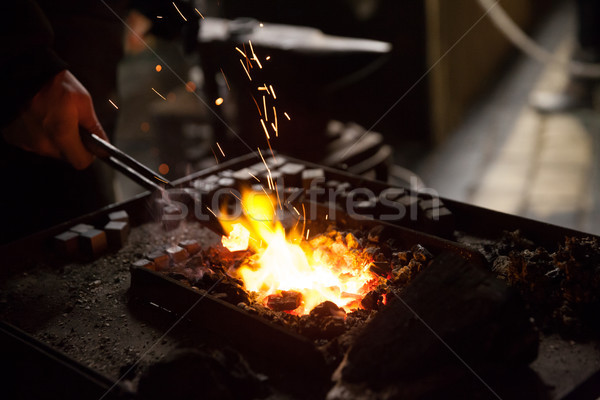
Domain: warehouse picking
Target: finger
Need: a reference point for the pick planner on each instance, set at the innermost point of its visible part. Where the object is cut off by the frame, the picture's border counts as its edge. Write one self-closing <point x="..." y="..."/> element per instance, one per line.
<point x="87" y="115"/>
<point x="29" y="138"/>
<point x="64" y="132"/>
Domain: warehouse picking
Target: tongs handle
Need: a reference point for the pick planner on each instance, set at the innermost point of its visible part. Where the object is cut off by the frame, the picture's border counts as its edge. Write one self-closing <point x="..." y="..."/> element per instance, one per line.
<point x="124" y="162"/>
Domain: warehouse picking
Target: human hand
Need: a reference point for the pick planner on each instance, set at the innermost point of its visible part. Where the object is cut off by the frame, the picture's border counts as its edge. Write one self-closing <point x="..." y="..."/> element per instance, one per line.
<point x="49" y="125"/>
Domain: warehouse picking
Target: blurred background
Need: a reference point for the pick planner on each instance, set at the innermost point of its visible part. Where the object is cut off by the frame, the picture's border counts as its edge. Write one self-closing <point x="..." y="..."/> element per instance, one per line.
<point x="448" y="107"/>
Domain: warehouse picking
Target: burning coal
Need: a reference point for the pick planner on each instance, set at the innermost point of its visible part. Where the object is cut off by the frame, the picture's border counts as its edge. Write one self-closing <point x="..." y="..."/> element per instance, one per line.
<point x="289" y="272"/>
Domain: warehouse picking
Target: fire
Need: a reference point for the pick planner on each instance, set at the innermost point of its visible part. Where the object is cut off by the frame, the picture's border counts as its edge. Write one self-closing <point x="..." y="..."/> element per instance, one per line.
<point x="321" y="269"/>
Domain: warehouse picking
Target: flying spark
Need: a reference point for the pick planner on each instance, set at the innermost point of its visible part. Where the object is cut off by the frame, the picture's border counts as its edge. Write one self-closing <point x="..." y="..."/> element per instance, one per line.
<point x="225" y="78"/>
<point x="114" y="105"/>
<point x="262" y="121"/>
<point x="220" y="149"/>
<point x="265" y="107"/>
<point x="254" y="176"/>
<point x="161" y="96"/>
<point x="273" y="91"/>
<point x="184" y="18"/>
<point x="287" y="116"/>
<point x="276" y="127"/>
<point x="199" y="13"/>
<point x="219" y="101"/>
<point x="257" y="106"/>
<point x="247" y="73"/>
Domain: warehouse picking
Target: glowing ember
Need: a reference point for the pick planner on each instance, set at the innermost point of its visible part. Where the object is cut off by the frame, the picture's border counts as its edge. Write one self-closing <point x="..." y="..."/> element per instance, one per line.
<point x="237" y="240"/>
<point x="324" y="268"/>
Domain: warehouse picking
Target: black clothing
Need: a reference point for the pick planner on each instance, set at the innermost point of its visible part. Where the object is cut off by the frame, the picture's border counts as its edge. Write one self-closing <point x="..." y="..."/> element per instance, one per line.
<point x="37" y="40"/>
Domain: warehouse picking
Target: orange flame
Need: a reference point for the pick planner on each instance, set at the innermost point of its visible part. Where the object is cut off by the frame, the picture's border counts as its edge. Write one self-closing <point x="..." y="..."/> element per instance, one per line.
<point x="321" y="269"/>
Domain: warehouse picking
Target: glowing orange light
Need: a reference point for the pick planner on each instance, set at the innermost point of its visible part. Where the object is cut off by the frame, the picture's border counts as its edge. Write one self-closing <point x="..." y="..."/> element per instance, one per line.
<point x="219" y="101"/>
<point x="320" y="269"/>
<point x="238" y="238"/>
<point x="158" y="68"/>
<point x="145" y="127"/>
<point x="190" y="86"/>
<point x="163" y="169"/>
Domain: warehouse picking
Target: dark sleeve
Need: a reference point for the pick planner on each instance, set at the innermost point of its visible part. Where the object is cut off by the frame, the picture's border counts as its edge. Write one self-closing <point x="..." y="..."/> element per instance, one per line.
<point x="27" y="60"/>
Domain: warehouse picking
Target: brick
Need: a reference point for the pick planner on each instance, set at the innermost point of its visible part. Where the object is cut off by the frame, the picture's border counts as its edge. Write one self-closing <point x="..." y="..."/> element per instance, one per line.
<point x="276" y="162"/>
<point x="292" y="174"/>
<point x="177" y="254"/>
<point x="67" y="243"/>
<point x="81" y="228"/>
<point x="191" y="246"/>
<point x="160" y="259"/>
<point x="258" y="168"/>
<point x="93" y="243"/>
<point x="227" y="173"/>
<point x="226" y="182"/>
<point x="171" y="217"/>
<point x="116" y="233"/>
<point x="243" y="178"/>
<point x="119" y="216"/>
<point x="312" y="176"/>
<point x="143" y="263"/>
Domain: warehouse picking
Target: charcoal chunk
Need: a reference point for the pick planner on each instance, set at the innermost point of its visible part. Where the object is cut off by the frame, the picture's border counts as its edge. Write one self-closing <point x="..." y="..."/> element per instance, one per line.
<point x="284" y="301"/>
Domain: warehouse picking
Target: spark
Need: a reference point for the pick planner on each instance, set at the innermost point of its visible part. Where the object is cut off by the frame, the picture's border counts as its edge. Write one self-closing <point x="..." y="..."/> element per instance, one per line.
<point x="219" y="101"/>
<point x="114" y="105"/>
<point x="257" y="106"/>
<point x="273" y="91"/>
<point x="263" y="160"/>
<point x="262" y="121"/>
<point x="225" y="78"/>
<point x="271" y="149"/>
<point x="303" y="218"/>
<point x="214" y="154"/>
<point x="264" y="87"/>
<point x="219" y="146"/>
<point x="199" y="13"/>
<point x="265" y="107"/>
<point x="241" y="52"/>
<point x="233" y="194"/>
<point x="295" y="209"/>
<point x="254" y="176"/>
<point x="261" y="25"/>
<point x="326" y="217"/>
<point x="307" y="233"/>
<point x="161" y="96"/>
<point x="254" y="55"/>
<point x="276" y="127"/>
<point x="278" y="199"/>
<point x="248" y="63"/>
<point x="159" y="16"/>
<point x="160" y="179"/>
<point x="158" y="68"/>
<point x="287" y="116"/>
<point x="268" y="58"/>
<point x="247" y="73"/>
<point x="212" y="212"/>
<point x="175" y="5"/>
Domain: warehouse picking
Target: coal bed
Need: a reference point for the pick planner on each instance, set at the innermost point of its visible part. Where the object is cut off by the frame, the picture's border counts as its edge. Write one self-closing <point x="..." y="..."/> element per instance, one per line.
<point x="130" y="323"/>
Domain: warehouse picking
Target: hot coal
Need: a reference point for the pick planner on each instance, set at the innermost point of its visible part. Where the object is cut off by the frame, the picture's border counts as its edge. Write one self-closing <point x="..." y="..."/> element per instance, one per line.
<point x="287" y="300"/>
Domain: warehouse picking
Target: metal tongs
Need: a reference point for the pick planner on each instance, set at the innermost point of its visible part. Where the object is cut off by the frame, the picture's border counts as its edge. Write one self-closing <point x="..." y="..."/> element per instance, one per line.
<point x="124" y="163"/>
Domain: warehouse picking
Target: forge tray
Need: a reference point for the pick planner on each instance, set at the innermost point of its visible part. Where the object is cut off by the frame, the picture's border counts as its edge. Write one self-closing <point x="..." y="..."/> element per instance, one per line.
<point x="112" y="308"/>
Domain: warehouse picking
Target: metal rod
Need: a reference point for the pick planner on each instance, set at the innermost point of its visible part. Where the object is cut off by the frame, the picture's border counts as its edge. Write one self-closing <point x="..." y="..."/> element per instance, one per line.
<point x="124" y="162"/>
